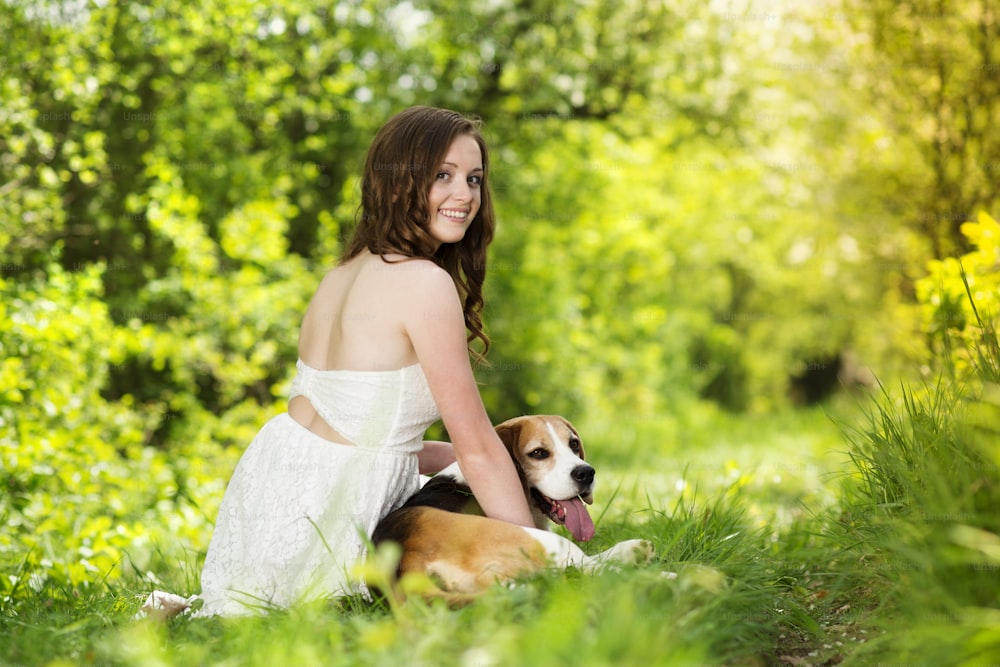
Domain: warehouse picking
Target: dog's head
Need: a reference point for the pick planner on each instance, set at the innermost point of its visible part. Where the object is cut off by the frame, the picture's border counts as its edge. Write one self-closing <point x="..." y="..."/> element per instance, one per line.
<point x="550" y="459"/>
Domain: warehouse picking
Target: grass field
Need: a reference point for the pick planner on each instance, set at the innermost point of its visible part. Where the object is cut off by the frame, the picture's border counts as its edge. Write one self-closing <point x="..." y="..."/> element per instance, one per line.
<point x="770" y="551"/>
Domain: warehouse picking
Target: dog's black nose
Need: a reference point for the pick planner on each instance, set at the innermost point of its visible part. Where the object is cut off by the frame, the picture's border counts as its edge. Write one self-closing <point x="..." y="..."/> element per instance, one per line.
<point x="583" y="474"/>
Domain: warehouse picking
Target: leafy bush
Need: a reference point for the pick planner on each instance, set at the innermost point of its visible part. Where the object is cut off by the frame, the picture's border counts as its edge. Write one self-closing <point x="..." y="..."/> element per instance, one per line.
<point x="921" y="513"/>
<point x="79" y="485"/>
<point x="115" y="423"/>
<point x="960" y="298"/>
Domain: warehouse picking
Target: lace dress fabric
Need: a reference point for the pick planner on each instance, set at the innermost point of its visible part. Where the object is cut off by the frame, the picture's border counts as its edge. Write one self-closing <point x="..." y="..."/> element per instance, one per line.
<point x="299" y="508"/>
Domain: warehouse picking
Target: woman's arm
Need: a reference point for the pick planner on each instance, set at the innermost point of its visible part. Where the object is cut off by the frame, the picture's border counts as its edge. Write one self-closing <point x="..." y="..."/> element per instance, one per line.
<point x="435" y="456"/>
<point x="433" y="320"/>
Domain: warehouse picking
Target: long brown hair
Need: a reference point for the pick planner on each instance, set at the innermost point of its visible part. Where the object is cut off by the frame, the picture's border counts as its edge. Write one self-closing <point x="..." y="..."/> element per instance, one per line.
<point x="394" y="215"/>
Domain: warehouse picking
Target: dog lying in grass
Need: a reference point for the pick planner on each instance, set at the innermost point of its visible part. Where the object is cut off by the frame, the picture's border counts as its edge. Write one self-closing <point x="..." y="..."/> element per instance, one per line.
<point x="445" y="536"/>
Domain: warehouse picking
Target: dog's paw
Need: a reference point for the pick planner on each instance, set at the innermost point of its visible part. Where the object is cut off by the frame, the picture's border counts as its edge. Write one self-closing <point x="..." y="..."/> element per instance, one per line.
<point x="632" y="551"/>
<point x="643" y="551"/>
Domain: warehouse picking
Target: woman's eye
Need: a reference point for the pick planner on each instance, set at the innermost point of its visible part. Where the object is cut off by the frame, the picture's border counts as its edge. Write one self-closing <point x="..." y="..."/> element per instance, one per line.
<point x="476" y="180"/>
<point x="443" y="175"/>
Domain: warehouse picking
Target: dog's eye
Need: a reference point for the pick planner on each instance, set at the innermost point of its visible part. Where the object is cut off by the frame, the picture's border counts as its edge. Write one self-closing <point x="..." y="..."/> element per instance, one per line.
<point x="538" y="454"/>
<point x="574" y="445"/>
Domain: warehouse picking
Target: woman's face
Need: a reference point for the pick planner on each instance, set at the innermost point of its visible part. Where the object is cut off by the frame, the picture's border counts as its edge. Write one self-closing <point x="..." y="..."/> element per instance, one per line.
<point x="456" y="193"/>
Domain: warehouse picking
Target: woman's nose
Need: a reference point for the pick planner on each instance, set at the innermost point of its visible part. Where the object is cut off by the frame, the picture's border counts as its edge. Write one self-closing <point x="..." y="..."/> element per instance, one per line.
<point x="462" y="192"/>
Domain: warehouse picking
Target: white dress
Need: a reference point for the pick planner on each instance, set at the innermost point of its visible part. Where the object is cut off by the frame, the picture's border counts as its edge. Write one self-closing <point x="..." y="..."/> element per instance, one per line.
<point x="299" y="508"/>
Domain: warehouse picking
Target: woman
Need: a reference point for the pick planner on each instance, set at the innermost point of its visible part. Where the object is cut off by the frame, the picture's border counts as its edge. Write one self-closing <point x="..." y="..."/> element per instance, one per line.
<point x="383" y="354"/>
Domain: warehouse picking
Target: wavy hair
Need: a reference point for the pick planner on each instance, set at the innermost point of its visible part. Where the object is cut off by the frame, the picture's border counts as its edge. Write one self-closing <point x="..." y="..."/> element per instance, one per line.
<point x="394" y="215"/>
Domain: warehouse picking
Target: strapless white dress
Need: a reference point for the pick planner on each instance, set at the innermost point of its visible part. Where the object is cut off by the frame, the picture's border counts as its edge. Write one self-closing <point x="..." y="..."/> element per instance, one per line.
<point x="298" y="510"/>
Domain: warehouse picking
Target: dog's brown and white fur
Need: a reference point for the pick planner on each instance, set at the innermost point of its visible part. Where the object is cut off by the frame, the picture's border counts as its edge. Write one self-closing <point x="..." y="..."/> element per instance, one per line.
<point x="444" y="534"/>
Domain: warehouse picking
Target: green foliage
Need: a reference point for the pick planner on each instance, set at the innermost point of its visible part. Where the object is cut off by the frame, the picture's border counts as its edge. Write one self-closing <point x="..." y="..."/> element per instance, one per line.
<point x="921" y="512"/>
<point x="177" y="178"/>
<point x="80" y="489"/>
<point x="638" y="185"/>
<point x="697" y="205"/>
<point x="960" y="298"/>
<point x="658" y="291"/>
<point x="932" y="80"/>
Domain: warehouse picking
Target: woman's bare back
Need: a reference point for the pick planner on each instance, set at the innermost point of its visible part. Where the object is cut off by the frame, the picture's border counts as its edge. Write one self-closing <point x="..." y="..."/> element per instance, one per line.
<point x="353" y="323"/>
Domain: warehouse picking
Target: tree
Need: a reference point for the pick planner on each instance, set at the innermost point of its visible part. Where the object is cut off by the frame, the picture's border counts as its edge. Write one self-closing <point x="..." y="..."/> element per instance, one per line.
<point x="931" y="74"/>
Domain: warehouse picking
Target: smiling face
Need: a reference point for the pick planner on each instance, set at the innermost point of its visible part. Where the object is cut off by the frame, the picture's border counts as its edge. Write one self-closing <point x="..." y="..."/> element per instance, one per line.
<point x="456" y="192"/>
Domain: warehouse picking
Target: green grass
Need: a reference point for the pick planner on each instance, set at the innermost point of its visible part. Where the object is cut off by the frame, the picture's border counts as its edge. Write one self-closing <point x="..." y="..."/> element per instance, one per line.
<point x="922" y="523"/>
<point x="721" y="590"/>
<point x="779" y="541"/>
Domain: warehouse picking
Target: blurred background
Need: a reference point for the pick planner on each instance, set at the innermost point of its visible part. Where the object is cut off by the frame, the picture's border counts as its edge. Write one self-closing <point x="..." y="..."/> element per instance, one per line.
<point x="706" y="210"/>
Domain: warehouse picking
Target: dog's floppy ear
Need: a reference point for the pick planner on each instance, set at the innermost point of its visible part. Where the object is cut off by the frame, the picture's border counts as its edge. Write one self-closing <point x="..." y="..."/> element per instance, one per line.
<point x="510" y="432"/>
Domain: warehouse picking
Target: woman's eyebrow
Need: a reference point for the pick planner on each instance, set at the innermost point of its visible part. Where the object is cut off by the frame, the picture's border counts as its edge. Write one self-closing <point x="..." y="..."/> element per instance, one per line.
<point x="452" y="164"/>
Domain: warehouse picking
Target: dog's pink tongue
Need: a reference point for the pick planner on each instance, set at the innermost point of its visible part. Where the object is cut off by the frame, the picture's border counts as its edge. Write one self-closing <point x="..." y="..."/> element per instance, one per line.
<point x="578" y="520"/>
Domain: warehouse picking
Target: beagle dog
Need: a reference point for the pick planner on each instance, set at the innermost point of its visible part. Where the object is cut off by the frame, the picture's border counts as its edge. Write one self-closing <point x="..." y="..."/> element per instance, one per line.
<point x="444" y="534"/>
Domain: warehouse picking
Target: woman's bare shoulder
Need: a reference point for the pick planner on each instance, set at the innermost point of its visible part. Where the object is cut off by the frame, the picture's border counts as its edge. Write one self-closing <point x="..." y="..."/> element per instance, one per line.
<point x="417" y="275"/>
<point x="401" y="263"/>
<point x="334" y="282"/>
